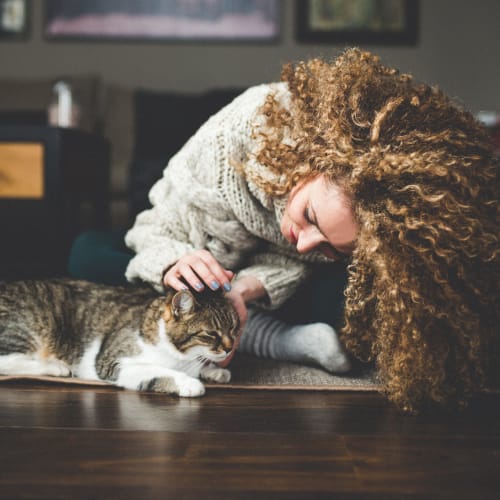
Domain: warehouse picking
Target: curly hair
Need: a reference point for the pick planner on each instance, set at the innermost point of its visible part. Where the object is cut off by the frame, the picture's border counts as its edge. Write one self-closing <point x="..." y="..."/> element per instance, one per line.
<point x="422" y="297"/>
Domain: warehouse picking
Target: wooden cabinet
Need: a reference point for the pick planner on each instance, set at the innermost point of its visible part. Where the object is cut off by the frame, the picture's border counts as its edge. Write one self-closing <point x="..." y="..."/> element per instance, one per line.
<point x="54" y="183"/>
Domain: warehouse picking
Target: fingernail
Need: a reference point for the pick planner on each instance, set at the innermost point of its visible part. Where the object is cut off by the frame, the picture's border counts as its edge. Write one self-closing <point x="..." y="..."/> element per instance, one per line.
<point x="214" y="285"/>
<point x="198" y="286"/>
<point x="227" y="287"/>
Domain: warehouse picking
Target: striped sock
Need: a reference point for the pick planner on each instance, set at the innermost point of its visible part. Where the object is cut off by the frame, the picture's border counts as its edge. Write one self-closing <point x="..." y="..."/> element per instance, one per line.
<point x="316" y="343"/>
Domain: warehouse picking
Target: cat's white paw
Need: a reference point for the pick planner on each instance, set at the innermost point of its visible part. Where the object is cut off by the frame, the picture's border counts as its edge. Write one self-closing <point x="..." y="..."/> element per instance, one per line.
<point x="212" y="373"/>
<point x="189" y="387"/>
<point x="57" y="368"/>
<point x="32" y="364"/>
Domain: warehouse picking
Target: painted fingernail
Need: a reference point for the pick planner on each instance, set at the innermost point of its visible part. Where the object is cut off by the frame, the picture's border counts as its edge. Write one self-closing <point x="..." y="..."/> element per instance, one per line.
<point x="227" y="287"/>
<point x="198" y="286"/>
<point x="214" y="285"/>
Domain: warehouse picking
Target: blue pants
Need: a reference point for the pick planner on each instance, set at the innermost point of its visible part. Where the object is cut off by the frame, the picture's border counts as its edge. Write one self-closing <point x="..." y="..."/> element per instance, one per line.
<point x="102" y="257"/>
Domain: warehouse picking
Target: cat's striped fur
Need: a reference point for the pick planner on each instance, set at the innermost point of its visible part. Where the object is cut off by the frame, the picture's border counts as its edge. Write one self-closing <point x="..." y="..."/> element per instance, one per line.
<point x="129" y="336"/>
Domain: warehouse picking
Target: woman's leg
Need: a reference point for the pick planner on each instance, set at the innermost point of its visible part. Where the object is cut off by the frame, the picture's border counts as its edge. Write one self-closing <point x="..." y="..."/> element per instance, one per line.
<point x="302" y="331"/>
<point x="321" y="299"/>
<point x="314" y="343"/>
<point x="325" y="292"/>
<point x="100" y="256"/>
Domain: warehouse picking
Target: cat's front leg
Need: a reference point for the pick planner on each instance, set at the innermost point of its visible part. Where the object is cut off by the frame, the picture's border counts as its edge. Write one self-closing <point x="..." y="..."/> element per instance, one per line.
<point x="213" y="373"/>
<point x="187" y="388"/>
<point x="143" y="377"/>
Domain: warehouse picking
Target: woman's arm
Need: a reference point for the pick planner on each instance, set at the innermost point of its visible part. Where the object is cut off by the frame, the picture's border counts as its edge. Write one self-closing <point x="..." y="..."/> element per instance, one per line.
<point x="188" y="209"/>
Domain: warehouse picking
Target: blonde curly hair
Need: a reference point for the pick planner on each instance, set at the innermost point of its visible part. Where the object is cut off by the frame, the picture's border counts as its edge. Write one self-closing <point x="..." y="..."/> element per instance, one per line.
<point x="422" y="295"/>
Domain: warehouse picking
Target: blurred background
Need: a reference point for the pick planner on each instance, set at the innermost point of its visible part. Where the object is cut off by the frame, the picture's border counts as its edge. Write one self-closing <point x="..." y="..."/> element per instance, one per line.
<point x="130" y="81"/>
<point x="458" y="46"/>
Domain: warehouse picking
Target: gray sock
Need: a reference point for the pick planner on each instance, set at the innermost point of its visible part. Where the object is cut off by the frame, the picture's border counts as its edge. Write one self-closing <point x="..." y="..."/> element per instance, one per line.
<point x="314" y="343"/>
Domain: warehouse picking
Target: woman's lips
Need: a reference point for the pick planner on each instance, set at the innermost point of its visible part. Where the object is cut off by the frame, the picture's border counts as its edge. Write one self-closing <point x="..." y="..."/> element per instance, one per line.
<point x="293" y="238"/>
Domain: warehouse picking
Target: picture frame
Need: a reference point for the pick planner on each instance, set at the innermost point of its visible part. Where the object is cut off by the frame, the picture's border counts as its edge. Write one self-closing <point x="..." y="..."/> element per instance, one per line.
<point x="379" y="22"/>
<point x="163" y="20"/>
<point x="14" y="19"/>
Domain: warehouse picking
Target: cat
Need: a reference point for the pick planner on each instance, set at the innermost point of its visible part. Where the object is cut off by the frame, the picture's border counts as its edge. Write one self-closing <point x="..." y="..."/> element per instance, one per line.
<point x="128" y="336"/>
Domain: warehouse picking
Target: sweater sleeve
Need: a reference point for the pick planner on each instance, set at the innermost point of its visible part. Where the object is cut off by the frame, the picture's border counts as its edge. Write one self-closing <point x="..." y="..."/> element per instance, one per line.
<point x="188" y="210"/>
<point x="280" y="276"/>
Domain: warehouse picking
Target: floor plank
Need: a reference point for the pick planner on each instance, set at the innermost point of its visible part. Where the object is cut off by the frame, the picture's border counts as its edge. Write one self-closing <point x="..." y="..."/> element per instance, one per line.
<point x="77" y="442"/>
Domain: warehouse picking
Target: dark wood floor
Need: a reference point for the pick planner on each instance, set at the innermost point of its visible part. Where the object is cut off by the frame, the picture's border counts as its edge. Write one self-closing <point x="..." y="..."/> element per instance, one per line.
<point x="71" y="442"/>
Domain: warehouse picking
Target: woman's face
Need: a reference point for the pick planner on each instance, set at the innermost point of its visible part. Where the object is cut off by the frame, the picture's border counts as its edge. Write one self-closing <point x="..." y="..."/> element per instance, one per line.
<point x="318" y="216"/>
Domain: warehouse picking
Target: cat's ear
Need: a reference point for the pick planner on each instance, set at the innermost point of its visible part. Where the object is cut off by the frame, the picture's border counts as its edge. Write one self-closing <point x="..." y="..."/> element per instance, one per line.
<point x="182" y="303"/>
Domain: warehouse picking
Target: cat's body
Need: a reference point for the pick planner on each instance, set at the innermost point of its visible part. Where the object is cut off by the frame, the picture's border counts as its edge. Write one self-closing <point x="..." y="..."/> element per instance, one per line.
<point x="130" y="337"/>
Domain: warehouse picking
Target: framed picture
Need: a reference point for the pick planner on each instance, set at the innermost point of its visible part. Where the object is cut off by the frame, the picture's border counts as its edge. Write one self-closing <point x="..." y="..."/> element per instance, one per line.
<point x="14" y="19"/>
<point x="393" y="22"/>
<point x="176" y="20"/>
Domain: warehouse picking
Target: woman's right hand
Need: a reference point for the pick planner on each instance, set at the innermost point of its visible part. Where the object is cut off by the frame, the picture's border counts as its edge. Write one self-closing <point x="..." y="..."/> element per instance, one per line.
<point x="245" y="289"/>
<point x="198" y="269"/>
<point x="238" y="302"/>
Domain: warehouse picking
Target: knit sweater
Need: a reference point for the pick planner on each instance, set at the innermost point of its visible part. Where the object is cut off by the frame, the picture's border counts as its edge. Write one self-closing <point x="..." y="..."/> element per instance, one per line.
<point x="203" y="202"/>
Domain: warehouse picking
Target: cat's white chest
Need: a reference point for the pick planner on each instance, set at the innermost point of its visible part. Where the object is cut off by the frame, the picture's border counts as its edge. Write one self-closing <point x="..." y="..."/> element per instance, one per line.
<point x="163" y="353"/>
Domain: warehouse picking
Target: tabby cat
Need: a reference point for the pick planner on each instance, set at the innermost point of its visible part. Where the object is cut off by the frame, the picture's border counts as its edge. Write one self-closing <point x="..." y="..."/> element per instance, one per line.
<point x="131" y="337"/>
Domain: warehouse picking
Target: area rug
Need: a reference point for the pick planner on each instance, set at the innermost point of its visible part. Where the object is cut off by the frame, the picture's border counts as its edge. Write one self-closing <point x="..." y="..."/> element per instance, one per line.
<point x="249" y="372"/>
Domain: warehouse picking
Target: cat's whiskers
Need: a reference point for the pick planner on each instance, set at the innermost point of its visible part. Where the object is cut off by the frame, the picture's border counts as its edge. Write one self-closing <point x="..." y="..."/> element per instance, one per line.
<point x="193" y="365"/>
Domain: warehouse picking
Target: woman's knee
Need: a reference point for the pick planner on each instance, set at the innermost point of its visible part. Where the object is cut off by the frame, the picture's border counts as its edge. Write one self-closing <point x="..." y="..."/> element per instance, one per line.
<point x="99" y="256"/>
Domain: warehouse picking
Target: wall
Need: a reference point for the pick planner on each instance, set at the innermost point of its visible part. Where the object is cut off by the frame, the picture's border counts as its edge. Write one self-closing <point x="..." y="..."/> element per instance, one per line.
<point x="458" y="49"/>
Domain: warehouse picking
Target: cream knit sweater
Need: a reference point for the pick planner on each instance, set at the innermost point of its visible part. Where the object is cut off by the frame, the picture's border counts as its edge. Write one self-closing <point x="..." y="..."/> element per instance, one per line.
<point x="202" y="202"/>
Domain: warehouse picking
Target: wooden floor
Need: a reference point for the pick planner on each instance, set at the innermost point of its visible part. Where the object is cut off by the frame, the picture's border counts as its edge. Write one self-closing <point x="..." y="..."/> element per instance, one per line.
<point x="60" y="441"/>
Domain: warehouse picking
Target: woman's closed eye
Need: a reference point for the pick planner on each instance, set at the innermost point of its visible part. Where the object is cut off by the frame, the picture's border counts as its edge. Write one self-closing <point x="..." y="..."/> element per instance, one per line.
<point x="307" y="216"/>
<point x="325" y="248"/>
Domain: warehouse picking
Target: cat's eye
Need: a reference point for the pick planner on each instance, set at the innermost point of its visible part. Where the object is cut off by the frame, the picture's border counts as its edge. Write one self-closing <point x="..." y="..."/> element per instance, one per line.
<point x="210" y="334"/>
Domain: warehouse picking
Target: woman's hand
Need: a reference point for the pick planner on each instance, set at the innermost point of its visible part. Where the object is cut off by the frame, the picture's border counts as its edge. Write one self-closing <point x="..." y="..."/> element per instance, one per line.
<point x="198" y="269"/>
<point x="244" y="290"/>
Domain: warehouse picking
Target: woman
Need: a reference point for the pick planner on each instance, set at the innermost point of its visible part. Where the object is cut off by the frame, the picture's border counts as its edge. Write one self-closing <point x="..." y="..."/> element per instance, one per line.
<point x="350" y="161"/>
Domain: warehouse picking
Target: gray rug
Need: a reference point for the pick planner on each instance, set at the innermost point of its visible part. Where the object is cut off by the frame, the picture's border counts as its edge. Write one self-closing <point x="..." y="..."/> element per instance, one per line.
<point x="249" y="372"/>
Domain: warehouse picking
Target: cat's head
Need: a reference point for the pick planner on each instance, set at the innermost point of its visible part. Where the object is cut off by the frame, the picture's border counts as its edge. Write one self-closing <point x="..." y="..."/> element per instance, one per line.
<point x="201" y="324"/>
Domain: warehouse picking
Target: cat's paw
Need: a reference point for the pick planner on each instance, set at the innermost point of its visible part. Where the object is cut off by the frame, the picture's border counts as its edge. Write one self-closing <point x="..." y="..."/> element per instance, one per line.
<point x="189" y="387"/>
<point x="180" y="385"/>
<point x="213" y="373"/>
<point x="57" y="368"/>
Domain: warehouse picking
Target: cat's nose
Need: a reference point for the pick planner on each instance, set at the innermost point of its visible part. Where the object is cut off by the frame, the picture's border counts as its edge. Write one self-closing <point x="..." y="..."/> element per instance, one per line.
<point x="227" y="344"/>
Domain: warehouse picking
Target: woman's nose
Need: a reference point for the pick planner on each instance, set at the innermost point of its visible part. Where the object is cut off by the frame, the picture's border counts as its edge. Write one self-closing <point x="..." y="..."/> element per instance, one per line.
<point x="308" y="240"/>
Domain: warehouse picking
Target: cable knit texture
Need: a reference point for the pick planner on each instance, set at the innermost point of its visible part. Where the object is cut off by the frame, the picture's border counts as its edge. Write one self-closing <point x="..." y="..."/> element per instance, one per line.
<point x="203" y="202"/>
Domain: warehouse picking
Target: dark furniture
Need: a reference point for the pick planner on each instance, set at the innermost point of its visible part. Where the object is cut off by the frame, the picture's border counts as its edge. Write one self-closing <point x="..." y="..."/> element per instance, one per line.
<point x="37" y="226"/>
<point x="163" y="122"/>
